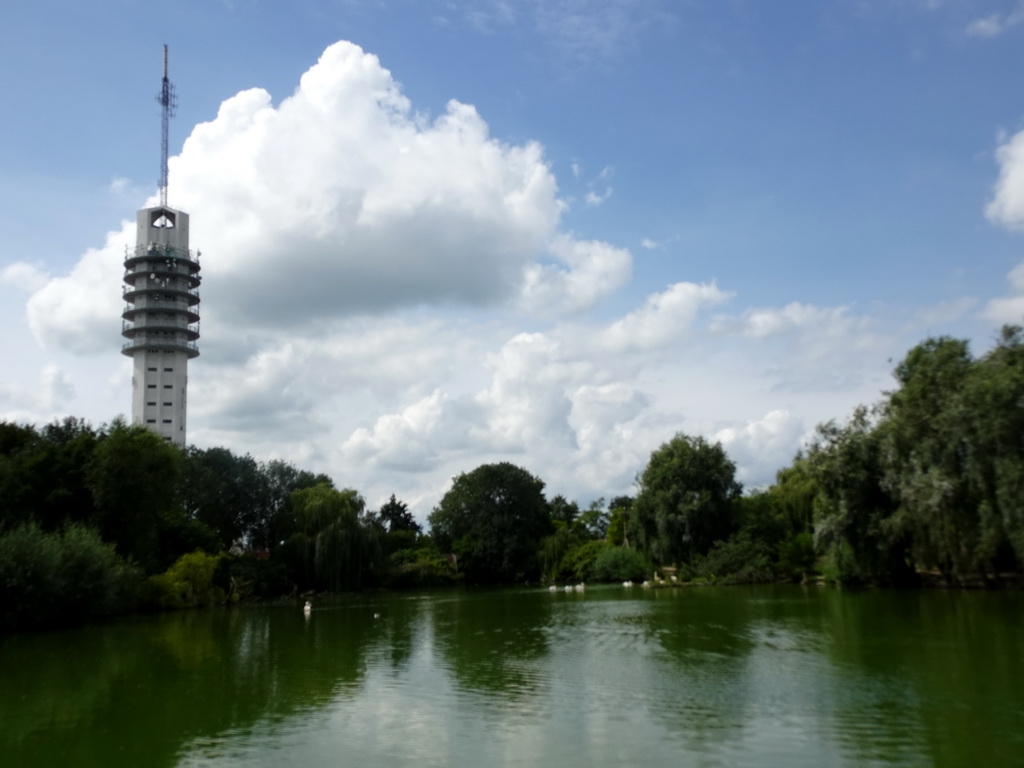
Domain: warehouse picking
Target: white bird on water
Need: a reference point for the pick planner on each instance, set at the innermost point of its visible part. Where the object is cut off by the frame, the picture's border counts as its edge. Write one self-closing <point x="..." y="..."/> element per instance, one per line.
<point x="552" y="588"/>
<point x="307" y="608"/>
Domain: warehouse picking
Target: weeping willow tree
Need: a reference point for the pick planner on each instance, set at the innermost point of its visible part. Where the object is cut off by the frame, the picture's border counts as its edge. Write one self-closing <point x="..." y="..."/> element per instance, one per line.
<point x="336" y="549"/>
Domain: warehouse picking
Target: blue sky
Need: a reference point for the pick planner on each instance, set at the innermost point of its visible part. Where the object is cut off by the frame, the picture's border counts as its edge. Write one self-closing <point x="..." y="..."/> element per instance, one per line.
<point x="642" y="217"/>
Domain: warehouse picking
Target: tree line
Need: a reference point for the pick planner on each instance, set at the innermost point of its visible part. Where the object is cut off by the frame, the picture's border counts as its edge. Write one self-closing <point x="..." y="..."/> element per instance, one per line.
<point x="928" y="481"/>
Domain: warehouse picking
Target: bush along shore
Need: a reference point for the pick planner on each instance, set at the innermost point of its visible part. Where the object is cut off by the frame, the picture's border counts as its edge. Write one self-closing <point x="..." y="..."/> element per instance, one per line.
<point x="925" y="487"/>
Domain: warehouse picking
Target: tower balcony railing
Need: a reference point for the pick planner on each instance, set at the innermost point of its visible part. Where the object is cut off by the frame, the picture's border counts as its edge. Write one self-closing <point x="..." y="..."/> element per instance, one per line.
<point x="145" y="305"/>
<point x="139" y="344"/>
<point x="156" y="322"/>
<point x="160" y="251"/>
<point x="167" y="269"/>
<point x="132" y="329"/>
<point x="130" y="293"/>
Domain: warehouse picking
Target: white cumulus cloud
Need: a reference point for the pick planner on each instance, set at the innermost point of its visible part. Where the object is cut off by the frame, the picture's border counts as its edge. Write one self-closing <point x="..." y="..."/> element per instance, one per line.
<point x="761" y="445"/>
<point x="1008" y="309"/>
<point x="587" y="272"/>
<point x="1007" y="204"/>
<point x="26" y="277"/>
<point x="340" y="200"/>
<point x="664" y="318"/>
<point x="80" y="312"/>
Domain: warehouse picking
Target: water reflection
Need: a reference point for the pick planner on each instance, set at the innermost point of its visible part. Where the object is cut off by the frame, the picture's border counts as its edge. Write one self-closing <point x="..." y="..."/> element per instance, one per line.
<point x="917" y="670"/>
<point x="136" y="693"/>
<point x="493" y="642"/>
<point x="768" y="676"/>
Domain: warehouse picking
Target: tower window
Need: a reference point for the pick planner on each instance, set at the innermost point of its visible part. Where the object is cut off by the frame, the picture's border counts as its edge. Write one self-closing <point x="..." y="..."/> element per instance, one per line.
<point x="151" y="386"/>
<point x="166" y="386"/>
<point x="165" y="403"/>
<point x="168" y="370"/>
<point x="151" y="421"/>
<point x="153" y="369"/>
<point x="167" y="421"/>
<point x="151" y="403"/>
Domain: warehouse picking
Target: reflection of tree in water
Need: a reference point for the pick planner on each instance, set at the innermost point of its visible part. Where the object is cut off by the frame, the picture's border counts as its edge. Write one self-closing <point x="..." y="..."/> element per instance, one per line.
<point x="933" y="674"/>
<point x="401" y="623"/>
<point x="703" y="697"/>
<point x="137" y="693"/>
<point x="493" y="641"/>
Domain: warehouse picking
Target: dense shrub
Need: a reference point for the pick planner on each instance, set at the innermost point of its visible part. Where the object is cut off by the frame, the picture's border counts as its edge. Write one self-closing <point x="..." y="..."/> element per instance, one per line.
<point x="244" y="576"/>
<point x="619" y="564"/>
<point x="61" y="578"/>
<point x="424" y="567"/>
<point x="796" y="555"/>
<point x="740" y="559"/>
<point x="578" y="561"/>
<point x="186" y="584"/>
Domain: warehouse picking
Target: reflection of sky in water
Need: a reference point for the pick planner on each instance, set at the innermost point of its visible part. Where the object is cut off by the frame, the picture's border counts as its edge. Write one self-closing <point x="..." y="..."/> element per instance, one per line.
<point x="766" y="676"/>
<point x="684" y="677"/>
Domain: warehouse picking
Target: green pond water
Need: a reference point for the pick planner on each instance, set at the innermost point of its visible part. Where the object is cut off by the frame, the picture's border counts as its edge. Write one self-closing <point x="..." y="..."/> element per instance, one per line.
<point x="767" y="676"/>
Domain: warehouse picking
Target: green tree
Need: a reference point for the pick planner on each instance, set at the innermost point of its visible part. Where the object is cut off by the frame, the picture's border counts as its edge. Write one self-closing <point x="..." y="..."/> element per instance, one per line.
<point x="133" y="475"/>
<point x="686" y="500"/>
<point x="188" y="583"/>
<point x="493" y="519"/>
<point x="792" y="496"/>
<point x="925" y="449"/>
<point x="335" y="550"/>
<point x="274" y="518"/>
<point x="619" y="564"/>
<point x="396" y="517"/>
<point x="223" y="491"/>
<point x="619" y="510"/>
<point x="554" y="548"/>
<point x="994" y="396"/>
<point x="42" y="473"/>
<point x="594" y="520"/>
<point x="563" y="511"/>
<point x="853" y="509"/>
<point x="61" y="578"/>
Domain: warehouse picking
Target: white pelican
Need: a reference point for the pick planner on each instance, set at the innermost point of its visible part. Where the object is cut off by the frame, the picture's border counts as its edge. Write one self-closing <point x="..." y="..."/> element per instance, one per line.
<point x="307" y="608"/>
<point x="627" y="583"/>
<point x="552" y="588"/>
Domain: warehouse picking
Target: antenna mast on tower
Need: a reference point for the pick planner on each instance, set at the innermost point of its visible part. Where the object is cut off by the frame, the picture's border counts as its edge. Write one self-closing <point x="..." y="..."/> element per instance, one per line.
<point x="168" y="102"/>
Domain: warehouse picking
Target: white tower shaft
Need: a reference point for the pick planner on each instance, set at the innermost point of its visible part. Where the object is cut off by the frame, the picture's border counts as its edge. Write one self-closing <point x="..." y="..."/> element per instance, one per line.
<point x="161" y="319"/>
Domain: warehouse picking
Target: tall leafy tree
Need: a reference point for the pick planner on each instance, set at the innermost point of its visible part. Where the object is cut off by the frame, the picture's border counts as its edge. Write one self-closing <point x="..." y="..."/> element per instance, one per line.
<point x="337" y="551"/>
<point x="274" y="518"/>
<point x="133" y="475"/>
<point x="686" y="500"/>
<point x="927" y="448"/>
<point x="593" y="522"/>
<point x="619" y="510"/>
<point x="564" y="511"/>
<point x="493" y="519"/>
<point x="223" y="491"/>
<point x="396" y="517"/>
<point x="42" y="473"/>
<point x="995" y="464"/>
<point x="853" y="508"/>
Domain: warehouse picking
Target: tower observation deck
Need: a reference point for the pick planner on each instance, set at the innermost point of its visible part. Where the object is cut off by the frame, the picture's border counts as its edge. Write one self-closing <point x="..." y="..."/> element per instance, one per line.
<point x="161" y="314"/>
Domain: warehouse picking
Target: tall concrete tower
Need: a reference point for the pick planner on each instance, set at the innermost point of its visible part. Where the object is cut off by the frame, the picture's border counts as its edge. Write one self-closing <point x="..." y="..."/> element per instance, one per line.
<point x="161" y="315"/>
